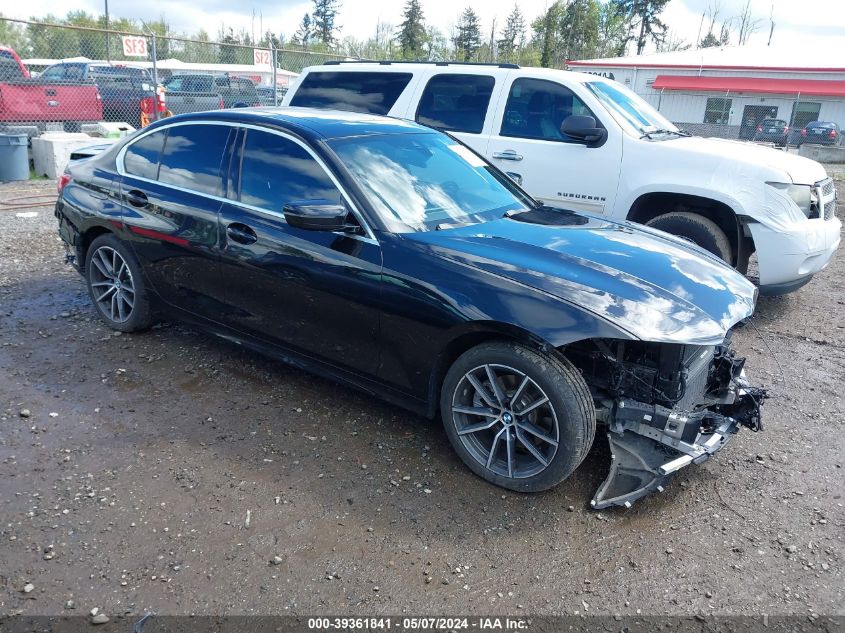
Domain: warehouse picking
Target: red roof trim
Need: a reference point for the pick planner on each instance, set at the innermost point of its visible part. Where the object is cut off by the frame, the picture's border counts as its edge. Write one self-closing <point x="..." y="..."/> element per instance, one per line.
<point x="750" y="84"/>
<point x="708" y="67"/>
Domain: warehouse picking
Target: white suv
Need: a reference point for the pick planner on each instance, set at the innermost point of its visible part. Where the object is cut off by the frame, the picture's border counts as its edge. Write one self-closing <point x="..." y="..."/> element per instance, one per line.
<point x="584" y="142"/>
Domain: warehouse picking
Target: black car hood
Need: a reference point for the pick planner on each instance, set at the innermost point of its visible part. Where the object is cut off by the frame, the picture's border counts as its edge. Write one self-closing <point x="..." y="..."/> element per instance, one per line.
<point x="654" y="286"/>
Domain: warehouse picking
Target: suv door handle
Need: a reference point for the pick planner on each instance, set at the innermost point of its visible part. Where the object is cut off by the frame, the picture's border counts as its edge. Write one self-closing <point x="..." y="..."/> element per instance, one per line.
<point x="241" y="233"/>
<point x="508" y="154"/>
<point x="137" y="198"/>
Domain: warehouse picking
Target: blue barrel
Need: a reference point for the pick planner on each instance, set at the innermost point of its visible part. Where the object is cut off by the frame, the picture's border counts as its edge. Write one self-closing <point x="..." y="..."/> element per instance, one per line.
<point x="14" y="157"/>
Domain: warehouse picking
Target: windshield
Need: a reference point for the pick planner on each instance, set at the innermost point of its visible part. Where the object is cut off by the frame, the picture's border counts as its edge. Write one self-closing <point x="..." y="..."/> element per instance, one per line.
<point x="630" y="111"/>
<point x="420" y="182"/>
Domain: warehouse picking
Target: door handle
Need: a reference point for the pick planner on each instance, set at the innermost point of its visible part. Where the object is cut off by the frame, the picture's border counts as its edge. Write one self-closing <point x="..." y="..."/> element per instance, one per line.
<point x="137" y="198"/>
<point x="508" y="154"/>
<point x="241" y="233"/>
<point x="517" y="178"/>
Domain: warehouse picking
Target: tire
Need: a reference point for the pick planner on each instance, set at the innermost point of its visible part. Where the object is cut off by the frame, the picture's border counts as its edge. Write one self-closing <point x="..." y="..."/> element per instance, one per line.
<point x="120" y="297"/>
<point x="698" y="229"/>
<point x="560" y="430"/>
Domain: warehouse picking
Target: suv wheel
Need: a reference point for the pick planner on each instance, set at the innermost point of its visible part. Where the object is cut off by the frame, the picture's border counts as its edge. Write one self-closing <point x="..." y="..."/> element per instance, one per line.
<point x="116" y="286"/>
<point x="520" y="419"/>
<point x="698" y="229"/>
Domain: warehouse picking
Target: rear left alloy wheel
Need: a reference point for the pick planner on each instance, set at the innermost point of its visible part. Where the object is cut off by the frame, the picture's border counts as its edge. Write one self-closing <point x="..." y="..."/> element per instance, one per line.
<point x="520" y="419"/>
<point x="116" y="286"/>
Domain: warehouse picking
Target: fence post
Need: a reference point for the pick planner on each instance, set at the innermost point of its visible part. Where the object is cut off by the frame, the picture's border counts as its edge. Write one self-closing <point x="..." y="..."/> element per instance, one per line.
<point x="155" y="77"/>
<point x="275" y="74"/>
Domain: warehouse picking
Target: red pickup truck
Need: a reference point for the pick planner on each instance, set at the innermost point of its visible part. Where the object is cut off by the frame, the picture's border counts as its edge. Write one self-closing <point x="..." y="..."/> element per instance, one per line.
<point x="25" y="101"/>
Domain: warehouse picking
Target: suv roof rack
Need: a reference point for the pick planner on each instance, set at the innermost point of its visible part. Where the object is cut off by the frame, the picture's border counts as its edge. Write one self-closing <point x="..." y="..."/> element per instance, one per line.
<point x="338" y="62"/>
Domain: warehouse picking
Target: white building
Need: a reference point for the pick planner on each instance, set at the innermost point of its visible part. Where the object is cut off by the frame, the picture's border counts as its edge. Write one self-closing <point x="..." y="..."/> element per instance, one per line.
<point x="727" y="91"/>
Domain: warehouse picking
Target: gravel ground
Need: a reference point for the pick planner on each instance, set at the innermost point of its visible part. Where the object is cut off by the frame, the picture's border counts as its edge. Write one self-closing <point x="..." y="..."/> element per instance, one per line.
<point x="172" y="472"/>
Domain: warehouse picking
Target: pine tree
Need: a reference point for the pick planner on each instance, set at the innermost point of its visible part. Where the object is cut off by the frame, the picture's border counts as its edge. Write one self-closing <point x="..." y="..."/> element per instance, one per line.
<point x="512" y="36"/>
<point x="579" y="31"/>
<point x="467" y="38"/>
<point x="412" y="32"/>
<point x="643" y="20"/>
<point x="324" y="18"/>
<point x="305" y="31"/>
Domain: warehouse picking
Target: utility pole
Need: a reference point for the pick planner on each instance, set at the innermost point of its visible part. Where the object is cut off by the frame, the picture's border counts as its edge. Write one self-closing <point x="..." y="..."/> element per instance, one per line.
<point x="108" y="54"/>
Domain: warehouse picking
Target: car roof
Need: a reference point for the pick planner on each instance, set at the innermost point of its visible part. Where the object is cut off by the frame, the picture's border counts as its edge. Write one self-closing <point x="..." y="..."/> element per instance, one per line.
<point x="309" y="122"/>
<point x="467" y="68"/>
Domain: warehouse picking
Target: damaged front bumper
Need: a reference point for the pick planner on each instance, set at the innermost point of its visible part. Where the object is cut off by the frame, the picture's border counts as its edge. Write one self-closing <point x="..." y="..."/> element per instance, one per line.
<point x="649" y="442"/>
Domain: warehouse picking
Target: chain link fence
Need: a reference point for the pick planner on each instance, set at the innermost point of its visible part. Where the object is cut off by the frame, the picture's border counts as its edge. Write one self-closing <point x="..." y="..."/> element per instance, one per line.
<point x="72" y="78"/>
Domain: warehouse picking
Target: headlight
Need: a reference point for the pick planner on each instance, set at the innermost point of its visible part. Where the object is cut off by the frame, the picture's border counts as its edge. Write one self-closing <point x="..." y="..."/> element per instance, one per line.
<point x="802" y="195"/>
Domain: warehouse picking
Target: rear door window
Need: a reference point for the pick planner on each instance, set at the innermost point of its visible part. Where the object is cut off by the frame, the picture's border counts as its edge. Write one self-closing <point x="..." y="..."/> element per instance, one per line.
<point x="275" y="171"/>
<point x="199" y="84"/>
<point x="353" y="91"/>
<point x="457" y="103"/>
<point x="141" y="157"/>
<point x="192" y="157"/>
<point x="536" y="108"/>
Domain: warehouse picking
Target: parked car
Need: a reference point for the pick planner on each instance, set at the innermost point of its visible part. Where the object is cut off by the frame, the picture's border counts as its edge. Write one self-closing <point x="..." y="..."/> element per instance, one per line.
<point x="339" y="242"/>
<point x="27" y="102"/>
<point x="192" y="93"/>
<point x="122" y="88"/>
<point x="237" y="92"/>
<point x="821" y="133"/>
<point x="585" y="142"/>
<point x="772" y="131"/>
<point x="265" y="95"/>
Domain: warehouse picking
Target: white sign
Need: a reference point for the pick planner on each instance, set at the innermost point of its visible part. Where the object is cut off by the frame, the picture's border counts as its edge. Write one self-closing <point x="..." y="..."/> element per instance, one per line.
<point x="134" y="46"/>
<point x="261" y="57"/>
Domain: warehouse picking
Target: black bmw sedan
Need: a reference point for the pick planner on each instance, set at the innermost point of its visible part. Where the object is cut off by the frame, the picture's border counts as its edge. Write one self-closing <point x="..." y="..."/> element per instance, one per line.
<point x="391" y="257"/>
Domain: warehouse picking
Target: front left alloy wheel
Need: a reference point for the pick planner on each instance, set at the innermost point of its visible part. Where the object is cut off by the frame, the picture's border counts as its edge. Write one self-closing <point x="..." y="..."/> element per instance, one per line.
<point x="116" y="286"/>
<point x="520" y="419"/>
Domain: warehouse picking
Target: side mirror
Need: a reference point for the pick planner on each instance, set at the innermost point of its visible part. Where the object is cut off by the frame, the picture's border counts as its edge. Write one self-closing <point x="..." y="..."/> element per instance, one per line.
<point x="584" y="129"/>
<point x="317" y="215"/>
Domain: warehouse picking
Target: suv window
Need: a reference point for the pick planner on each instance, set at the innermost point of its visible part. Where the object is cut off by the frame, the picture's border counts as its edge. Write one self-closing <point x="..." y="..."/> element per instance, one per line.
<point x="198" y="83"/>
<point x="276" y="171"/>
<point x="457" y="103"/>
<point x="141" y="157"/>
<point x="354" y="91"/>
<point x="536" y="108"/>
<point x="9" y="69"/>
<point x="54" y="73"/>
<point x="192" y="155"/>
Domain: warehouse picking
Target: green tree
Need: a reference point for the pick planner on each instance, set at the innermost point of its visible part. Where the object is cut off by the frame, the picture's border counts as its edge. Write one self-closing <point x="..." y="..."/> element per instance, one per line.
<point x="467" y="39"/>
<point x="644" y="21"/>
<point x="613" y="31"/>
<point x="324" y="18"/>
<point x="13" y="35"/>
<point x="512" y="37"/>
<point x="578" y="31"/>
<point x="305" y="31"/>
<point x="412" y="33"/>
<point x="228" y="54"/>
<point x="546" y="34"/>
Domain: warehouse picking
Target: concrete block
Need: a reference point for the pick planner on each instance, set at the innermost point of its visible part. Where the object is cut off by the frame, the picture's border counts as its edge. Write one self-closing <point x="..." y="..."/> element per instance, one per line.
<point x="51" y="151"/>
<point x="823" y="153"/>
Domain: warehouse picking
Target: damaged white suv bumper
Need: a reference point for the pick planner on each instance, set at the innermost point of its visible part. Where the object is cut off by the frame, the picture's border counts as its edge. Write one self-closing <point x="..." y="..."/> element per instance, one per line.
<point x="790" y="252"/>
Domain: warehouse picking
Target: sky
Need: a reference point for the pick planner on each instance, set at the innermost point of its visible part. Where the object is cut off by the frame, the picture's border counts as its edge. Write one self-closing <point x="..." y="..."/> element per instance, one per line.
<point x="817" y="23"/>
